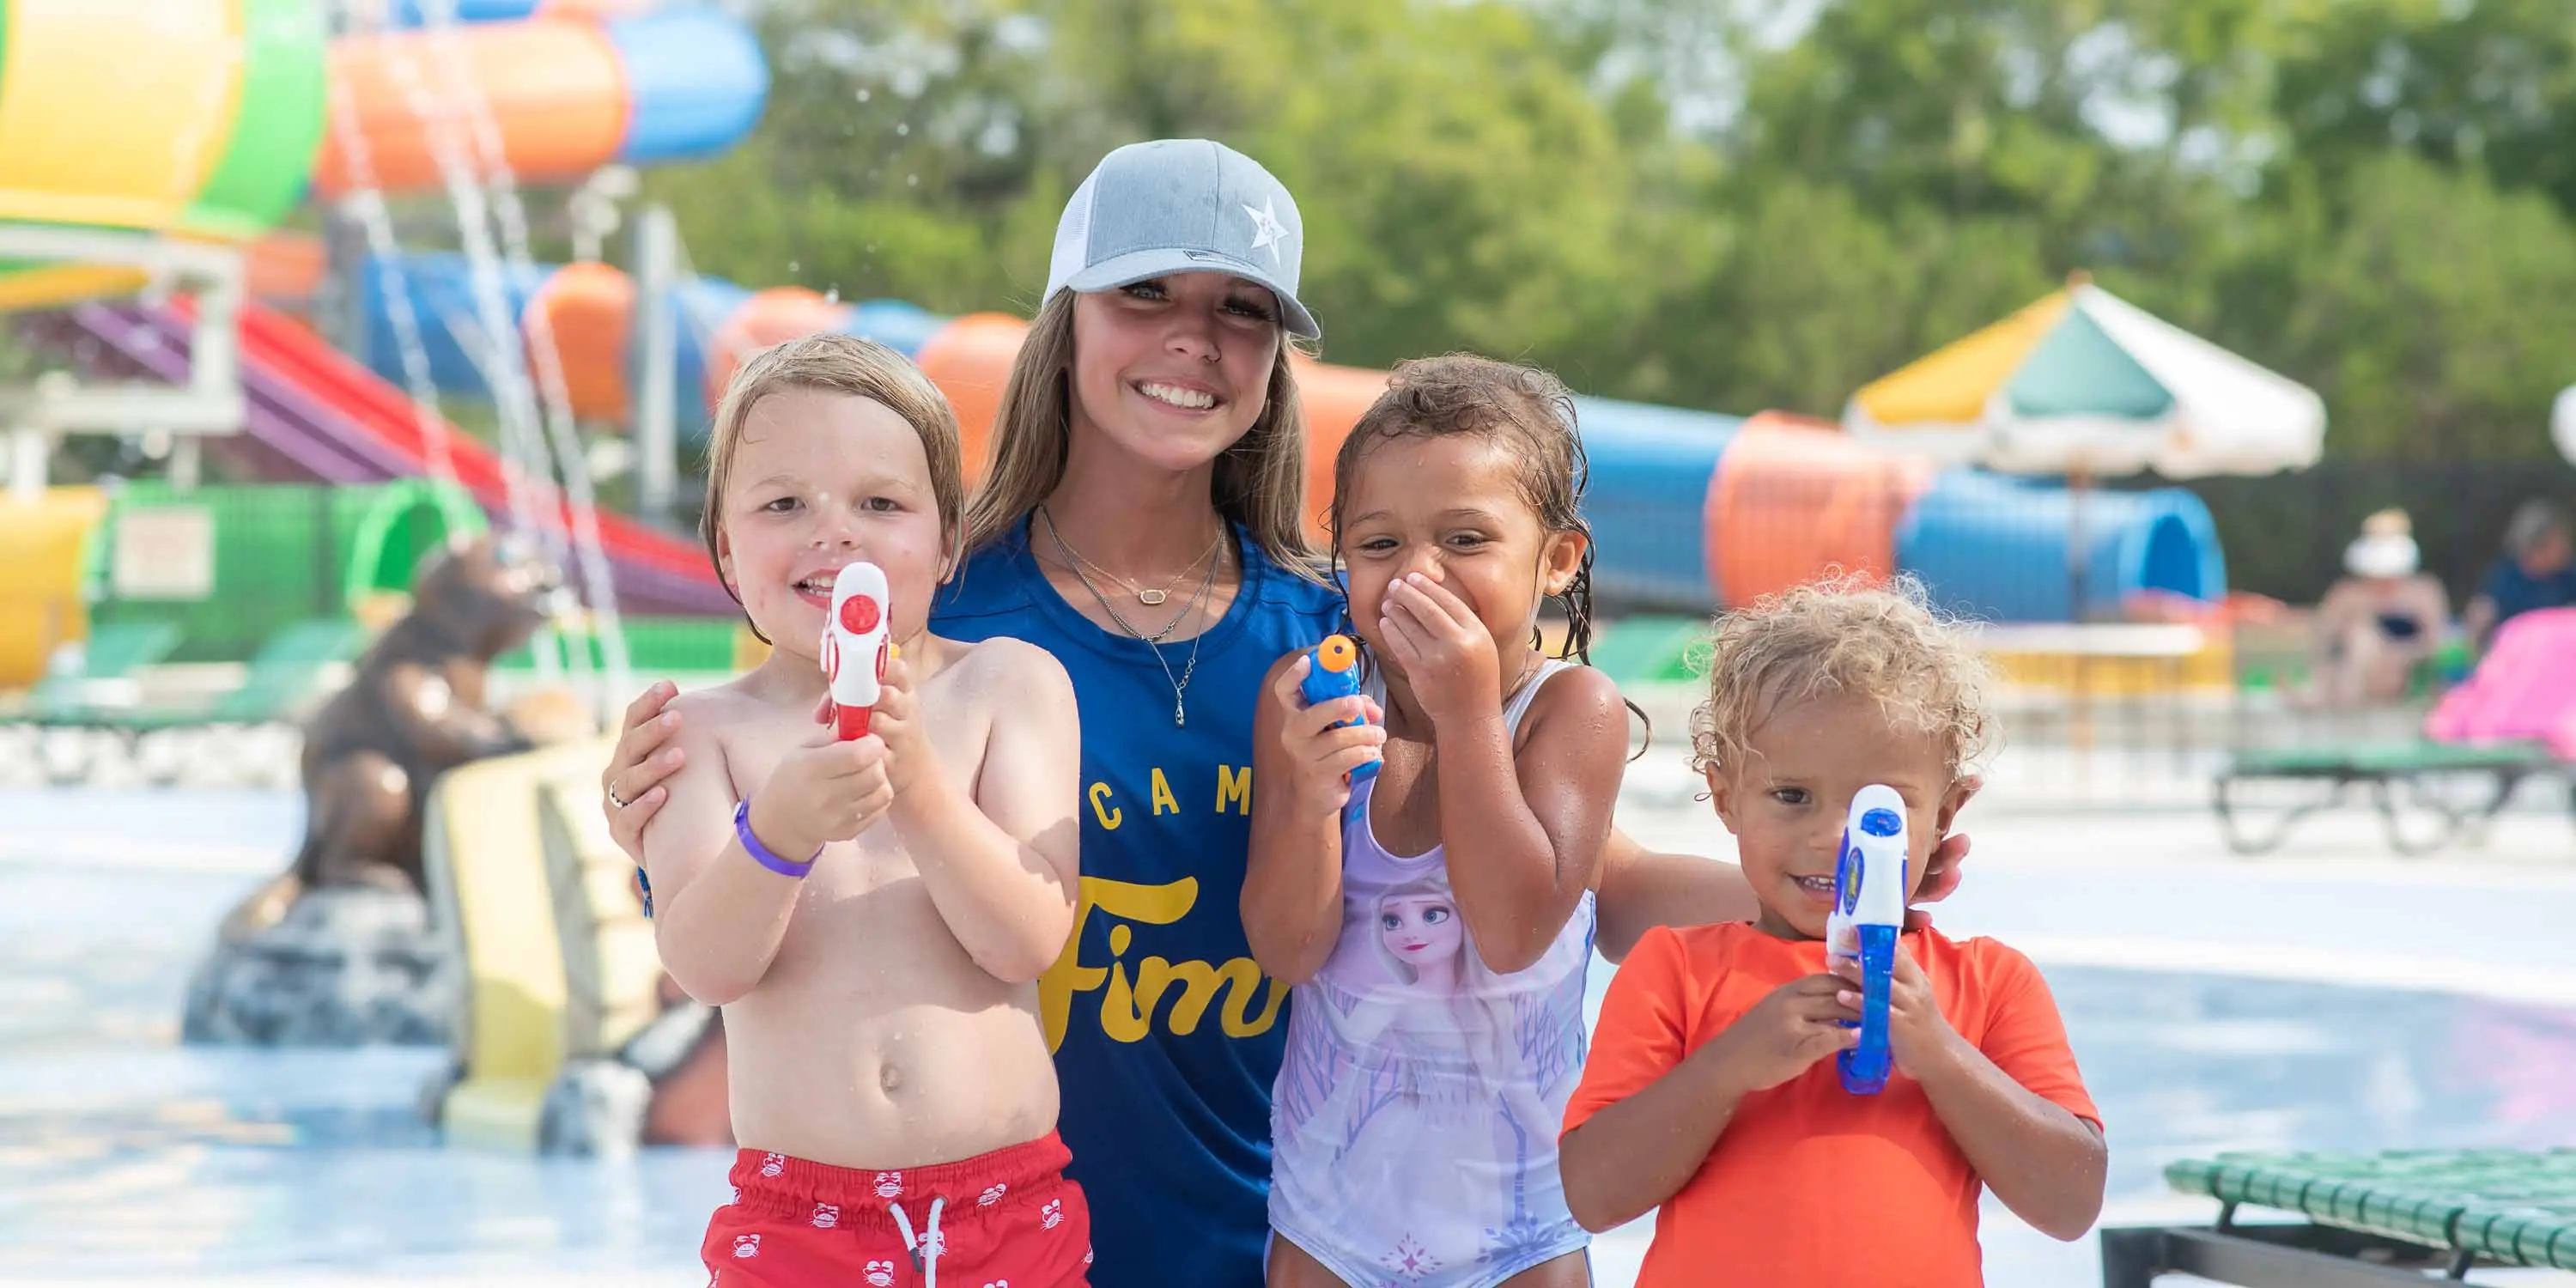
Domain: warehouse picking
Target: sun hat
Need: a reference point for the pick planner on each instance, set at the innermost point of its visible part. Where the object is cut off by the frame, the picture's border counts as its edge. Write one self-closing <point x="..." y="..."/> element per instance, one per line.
<point x="2385" y="548"/>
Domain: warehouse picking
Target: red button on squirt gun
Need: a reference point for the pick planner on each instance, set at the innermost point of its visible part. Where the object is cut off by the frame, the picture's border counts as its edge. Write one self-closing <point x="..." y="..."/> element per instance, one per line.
<point x="855" y="646"/>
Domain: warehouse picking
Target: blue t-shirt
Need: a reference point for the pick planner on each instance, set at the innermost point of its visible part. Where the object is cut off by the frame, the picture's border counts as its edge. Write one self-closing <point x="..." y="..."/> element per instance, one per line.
<point x="1167" y="1037"/>
<point x="2516" y="592"/>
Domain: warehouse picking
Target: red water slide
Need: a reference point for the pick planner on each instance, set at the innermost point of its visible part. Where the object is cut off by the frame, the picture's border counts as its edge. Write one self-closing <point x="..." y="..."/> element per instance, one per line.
<point x="361" y="406"/>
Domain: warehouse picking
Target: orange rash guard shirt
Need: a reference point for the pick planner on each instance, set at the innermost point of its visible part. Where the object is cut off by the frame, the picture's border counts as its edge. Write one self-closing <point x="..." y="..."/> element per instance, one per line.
<point x="1810" y="1184"/>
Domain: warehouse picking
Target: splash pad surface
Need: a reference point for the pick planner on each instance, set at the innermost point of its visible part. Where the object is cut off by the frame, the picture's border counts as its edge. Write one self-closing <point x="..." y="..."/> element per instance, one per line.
<point x="125" y="1157"/>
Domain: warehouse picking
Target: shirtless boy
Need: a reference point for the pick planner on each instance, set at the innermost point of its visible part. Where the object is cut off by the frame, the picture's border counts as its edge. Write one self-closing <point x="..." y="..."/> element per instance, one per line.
<point x="871" y="914"/>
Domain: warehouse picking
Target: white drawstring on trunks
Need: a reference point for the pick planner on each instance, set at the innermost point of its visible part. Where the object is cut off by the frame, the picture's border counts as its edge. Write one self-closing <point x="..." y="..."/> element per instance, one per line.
<point x="926" y="1249"/>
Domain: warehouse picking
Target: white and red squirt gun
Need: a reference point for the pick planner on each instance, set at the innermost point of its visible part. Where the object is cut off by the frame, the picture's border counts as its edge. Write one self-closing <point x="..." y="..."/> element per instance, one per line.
<point x="855" y="645"/>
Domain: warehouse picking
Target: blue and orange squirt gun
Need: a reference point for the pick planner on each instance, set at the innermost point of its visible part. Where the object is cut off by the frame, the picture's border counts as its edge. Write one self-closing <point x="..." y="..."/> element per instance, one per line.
<point x="1868" y="915"/>
<point x="855" y="646"/>
<point x="1333" y="671"/>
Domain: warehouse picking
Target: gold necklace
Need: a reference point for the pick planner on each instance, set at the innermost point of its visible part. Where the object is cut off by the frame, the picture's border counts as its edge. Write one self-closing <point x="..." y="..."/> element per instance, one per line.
<point x="1180" y="686"/>
<point x="1150" y="598"/>
<point x="1074" y="563"/>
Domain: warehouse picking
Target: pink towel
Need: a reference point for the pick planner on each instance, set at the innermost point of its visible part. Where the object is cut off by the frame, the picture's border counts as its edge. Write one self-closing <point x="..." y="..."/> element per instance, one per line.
<point x="2524" y="689"/>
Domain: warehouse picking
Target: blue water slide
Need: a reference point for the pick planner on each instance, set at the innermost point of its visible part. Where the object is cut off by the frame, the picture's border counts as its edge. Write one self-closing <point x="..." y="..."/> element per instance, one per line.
<point x="1650" y="471"/>
<point x="2003" y="550"/>
<point x="700" y="305"/>
<point x="419" y="13"/>
<point x="440" y="285"/>
<point x="897" y="325"/>
<point x="696" y="80"/>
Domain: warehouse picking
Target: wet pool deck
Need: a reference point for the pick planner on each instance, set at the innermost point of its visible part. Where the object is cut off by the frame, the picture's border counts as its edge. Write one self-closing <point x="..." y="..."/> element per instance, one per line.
<point x="2329" y="997"/>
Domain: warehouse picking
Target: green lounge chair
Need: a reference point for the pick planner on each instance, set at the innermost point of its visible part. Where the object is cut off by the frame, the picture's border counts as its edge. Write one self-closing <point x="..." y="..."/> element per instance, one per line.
<point x="104" y="681"/>
<point x="2391" y="1218"/>
<point x="280" y="678"/>
<point x="2389" y="771"/>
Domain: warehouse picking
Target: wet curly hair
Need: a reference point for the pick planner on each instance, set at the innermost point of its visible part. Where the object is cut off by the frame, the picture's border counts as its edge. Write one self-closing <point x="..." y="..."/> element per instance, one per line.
<point x="1528" y="412"/>
<point x="1848" y="636"/>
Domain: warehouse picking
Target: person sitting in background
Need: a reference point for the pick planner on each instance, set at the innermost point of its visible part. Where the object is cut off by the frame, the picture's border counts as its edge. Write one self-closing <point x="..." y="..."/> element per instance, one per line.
<point x="2537" y="570"/>
<point x="2381" y="620"/>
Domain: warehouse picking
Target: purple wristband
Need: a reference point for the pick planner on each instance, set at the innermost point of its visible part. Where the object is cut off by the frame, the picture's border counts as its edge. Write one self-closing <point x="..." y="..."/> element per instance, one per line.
<point x="760" y="853"/>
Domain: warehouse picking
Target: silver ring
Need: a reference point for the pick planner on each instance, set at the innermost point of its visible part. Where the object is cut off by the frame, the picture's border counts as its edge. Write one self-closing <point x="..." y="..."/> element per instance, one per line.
<point x="614" y="799"/>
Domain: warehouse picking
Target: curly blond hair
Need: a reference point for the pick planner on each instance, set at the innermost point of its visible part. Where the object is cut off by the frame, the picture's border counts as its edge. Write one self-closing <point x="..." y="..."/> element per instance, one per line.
<point x="1844" y="635"/>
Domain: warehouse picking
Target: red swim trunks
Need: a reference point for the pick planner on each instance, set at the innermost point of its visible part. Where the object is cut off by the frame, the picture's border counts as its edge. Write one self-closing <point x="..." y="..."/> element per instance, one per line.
<point x="1004" y="1218"/>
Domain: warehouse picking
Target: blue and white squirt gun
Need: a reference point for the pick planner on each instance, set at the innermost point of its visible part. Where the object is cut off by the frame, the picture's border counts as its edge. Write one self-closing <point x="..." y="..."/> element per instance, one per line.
<point x="1333" y="671"/>
<point x="1869" y="904"/>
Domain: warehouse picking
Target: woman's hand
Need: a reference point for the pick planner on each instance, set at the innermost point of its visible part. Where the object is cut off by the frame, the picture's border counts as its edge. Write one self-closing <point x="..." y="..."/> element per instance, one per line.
<point x="638" y="766"/>
<point x="1940" y="877"/>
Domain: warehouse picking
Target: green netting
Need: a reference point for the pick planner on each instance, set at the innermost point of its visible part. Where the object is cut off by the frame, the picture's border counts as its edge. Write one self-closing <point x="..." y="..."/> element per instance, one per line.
<point x="2517" y="1207"/>
<point x="655" y="647"/>
<point x="281" y="554"/>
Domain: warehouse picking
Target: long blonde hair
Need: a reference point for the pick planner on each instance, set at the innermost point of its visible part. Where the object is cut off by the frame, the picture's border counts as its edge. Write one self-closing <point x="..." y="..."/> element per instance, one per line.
<point x="1260" y="480"/>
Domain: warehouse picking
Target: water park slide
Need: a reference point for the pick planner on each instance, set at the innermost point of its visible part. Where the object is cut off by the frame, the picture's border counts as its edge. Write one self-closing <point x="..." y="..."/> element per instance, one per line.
<point x="317" y="415"/>
<point x="567" y="93"/>
<point x="208" y="118"/>
<point x="1691" y="508"/>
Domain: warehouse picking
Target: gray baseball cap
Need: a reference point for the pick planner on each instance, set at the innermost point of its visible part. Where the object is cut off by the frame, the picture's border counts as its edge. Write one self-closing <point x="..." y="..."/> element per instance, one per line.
<point x="1181" y="206"/>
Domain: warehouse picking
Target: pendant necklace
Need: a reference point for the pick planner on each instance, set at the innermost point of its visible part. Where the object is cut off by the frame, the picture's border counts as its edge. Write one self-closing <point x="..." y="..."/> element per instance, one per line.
<point x="1150" y="598"/>
<point x="1198" y="601"/>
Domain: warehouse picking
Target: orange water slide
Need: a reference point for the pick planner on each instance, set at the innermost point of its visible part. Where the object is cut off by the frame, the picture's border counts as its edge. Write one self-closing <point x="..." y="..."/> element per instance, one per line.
<point x="1793" y="498"/>
<point x="564" y="93"/>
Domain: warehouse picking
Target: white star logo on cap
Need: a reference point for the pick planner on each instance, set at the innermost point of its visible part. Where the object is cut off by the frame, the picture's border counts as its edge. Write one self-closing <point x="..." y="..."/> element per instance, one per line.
<point x="1266" y="228"/>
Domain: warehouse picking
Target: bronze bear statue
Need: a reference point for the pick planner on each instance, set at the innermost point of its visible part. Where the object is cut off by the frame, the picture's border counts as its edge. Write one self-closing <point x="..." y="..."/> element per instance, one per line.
<point x="415" y="709"/>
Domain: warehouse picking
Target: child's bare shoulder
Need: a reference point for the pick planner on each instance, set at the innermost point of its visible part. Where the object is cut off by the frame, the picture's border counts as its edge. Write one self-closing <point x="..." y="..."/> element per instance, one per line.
<point x="716" y="720"/>
<point x="1578" y="692"/>
<point x="711" y="710"/>
<point x="1003" y="665"/>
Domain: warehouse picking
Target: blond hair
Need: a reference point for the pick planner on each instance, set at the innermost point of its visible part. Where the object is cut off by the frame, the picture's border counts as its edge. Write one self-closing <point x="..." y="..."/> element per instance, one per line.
<point x="1842" y="636"/>
<point x="839" y="364"/>
<point x="1260" y="479"/>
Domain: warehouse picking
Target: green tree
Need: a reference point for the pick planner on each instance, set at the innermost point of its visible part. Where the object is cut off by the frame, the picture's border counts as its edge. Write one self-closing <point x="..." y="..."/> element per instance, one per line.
<point x="2489" y="85"/>
<point x="2437" y="318"/>
<point x="894" y="157"/>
